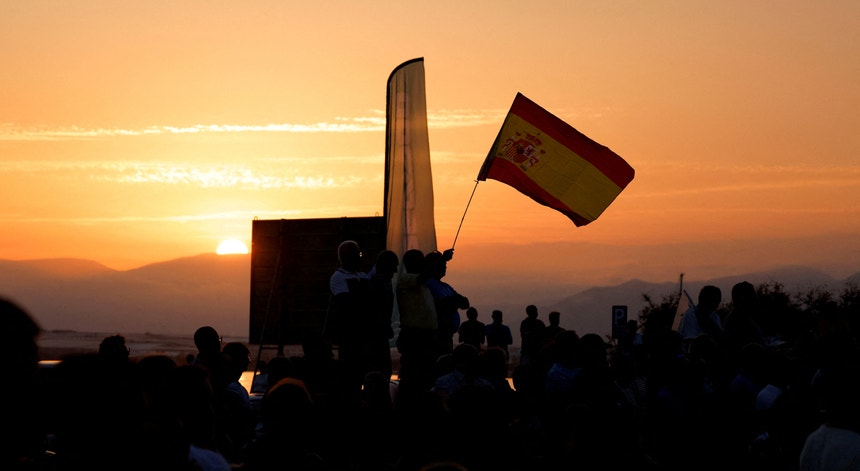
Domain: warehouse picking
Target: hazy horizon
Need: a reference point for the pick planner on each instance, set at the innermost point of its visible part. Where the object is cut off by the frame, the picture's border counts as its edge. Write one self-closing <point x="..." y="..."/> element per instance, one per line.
<point x="129" y="140"/>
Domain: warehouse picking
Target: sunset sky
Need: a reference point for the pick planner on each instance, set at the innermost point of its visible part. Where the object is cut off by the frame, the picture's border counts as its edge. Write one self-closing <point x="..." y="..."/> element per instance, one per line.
<point x="133" y="132"/>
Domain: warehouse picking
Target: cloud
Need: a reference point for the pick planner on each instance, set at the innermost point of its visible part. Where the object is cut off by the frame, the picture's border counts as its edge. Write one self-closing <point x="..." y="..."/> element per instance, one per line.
<point x="443" y="119"/>
<point x="289" y="176"/>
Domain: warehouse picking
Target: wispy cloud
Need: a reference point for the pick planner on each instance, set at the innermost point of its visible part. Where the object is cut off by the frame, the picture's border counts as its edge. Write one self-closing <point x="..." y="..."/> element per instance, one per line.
<point x="375" y="122"/>
<point x="245" y="215"/>
<point x="287" y="176"/>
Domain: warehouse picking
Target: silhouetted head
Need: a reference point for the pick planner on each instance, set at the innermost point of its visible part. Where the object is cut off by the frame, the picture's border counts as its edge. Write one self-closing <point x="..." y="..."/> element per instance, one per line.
<point x="386" y="263"/>
<point x="710" y="298"/>
<point x="207" y="340"/>
<point x="531" y="311"/>
<point x="465" y="358"/>
<point x="413" y="261"/>
<point x="554" y="318"/>
<point x="114" y="348"/>
<point x="594" y="350"/>
<point x="237" y="355"/>
<point x="471" y="313"/>
<point x="567" y="347"/>
<point x="349" y="254"/>
<point x="19" y="348"/>
<point x="497" y="316"/>
<point x="743" y="295"/>
<point x="435" y="264"/>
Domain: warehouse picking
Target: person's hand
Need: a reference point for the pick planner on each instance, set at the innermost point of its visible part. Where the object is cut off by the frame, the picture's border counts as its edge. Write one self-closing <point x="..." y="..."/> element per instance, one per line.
<point x="448" y="254"/>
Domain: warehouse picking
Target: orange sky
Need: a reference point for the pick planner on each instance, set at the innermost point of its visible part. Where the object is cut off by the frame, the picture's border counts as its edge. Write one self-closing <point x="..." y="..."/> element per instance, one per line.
<point x="135" y="132"/>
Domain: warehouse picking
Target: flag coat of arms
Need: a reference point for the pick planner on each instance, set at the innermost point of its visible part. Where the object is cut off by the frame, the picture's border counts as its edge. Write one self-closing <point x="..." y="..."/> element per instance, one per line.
<point x="554" y="164"/>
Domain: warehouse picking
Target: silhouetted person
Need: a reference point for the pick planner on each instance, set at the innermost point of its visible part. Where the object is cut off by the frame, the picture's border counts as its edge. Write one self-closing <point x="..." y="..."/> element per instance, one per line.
<point x="836" y="443"/>
<point x="114" y="351"/>
<point x="20" y="445"/>
<point x="703" y="317"/>
<point x="498" y="334"/>
<point x="531" y="333"/>
<point x="632" y="338"/>
<point x="472" y="330"/>
<point x="376" y="344"/>
<point x="100" y="418"/>
<point x="352" y="310"/>
<point x="447" y="300"/>
<point x="554" y="326"/>
<point x="741" y="326"/>
<point x="465" y="372"/>
<point x="159" y="376"/>
<point x="418" y="323"/>
<point x="290" y="435"/>
<point x="235" y="419"/>
<point x="281" y="367"/>
<point x="208" y="343"/>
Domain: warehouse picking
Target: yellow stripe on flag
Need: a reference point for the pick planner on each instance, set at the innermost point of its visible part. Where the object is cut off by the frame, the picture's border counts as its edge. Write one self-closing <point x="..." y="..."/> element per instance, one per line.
<point x="549" y="161"/>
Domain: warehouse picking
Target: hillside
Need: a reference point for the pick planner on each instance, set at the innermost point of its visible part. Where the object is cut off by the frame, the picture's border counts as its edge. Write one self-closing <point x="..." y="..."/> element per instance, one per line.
<point x="177" y="296"/>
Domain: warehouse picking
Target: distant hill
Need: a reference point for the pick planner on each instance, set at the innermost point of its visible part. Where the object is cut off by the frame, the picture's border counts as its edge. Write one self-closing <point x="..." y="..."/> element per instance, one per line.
<point x="591" y="309"/>
<point x="177" y="296"/>
<point x="173" y="297"/>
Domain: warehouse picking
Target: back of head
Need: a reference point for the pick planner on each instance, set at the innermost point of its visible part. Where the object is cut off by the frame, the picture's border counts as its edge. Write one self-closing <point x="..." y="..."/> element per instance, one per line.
<point x="19" y="347"/>
<point x="710" y="297"/>
<point x="207" y="340"/>
<point x="554" y="318"/>
<point x="471" y="313"/>
<point x="434" y="263"/>
<point x="531" y="310"/>
<point x="113" y="348"/>
<point x="238" y="355"/>
<point x="497" y="316"/>
<point x="567" y="347"/>
<point x="743" y="295"/>
<point x="349" y="254"/>
<point x="413" y="261"/>
<point x="386" y="262"/>
<point x="465" y="357"/>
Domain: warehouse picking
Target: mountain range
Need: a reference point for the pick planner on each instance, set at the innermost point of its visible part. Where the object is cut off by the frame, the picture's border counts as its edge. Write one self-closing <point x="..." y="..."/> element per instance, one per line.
<point x="178" y="296"/>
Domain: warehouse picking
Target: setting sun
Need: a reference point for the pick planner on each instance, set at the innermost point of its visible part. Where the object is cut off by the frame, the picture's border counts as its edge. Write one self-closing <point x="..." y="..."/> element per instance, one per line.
<point x="231" y="246"/>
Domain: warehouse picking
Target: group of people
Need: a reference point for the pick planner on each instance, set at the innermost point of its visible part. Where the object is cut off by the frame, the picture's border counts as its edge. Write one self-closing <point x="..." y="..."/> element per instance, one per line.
<point x="713" y="393"/>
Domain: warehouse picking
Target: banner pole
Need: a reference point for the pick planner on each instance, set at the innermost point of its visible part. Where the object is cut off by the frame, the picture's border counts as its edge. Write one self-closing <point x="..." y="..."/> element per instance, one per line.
<point x="464" y="214"/>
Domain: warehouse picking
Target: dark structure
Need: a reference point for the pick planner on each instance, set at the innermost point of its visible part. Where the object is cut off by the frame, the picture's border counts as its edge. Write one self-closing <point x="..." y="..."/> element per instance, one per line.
<point x="291" y="263"/>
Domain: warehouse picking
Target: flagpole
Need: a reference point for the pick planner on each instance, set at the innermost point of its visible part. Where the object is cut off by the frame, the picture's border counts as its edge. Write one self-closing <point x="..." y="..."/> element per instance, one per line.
<point x="464" y="214"/>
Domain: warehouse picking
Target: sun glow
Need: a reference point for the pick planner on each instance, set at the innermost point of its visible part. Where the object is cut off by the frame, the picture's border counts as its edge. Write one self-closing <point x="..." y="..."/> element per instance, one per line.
<point x="231" y="246"/>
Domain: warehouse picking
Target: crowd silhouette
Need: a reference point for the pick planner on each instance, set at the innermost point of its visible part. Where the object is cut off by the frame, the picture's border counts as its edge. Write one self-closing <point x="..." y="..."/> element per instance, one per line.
<point x="718" y="395"/>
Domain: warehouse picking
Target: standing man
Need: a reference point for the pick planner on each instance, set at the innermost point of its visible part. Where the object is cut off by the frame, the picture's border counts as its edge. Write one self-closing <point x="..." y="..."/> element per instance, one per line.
<point x="447" y="300"/>
<point x="498" y="334"/>
<point x="703" y="317"/>
<point x="352" y="306"/>
<point x="380" y="333"/>
<point x="472" y="331"/>
<point x="531" y="333"/>
<point x="418" y="326"/>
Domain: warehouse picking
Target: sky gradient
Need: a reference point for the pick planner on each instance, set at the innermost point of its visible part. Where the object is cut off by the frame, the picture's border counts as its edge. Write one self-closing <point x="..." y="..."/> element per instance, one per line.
<point x="134" y="132"/>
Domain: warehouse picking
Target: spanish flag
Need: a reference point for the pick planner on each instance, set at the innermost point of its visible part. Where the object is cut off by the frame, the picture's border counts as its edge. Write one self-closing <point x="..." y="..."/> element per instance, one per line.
<point x="554" y="164"/>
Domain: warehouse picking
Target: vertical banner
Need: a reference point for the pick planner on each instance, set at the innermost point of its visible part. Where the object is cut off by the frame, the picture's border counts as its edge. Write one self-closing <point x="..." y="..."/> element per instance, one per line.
<point x="408" y="207"/>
